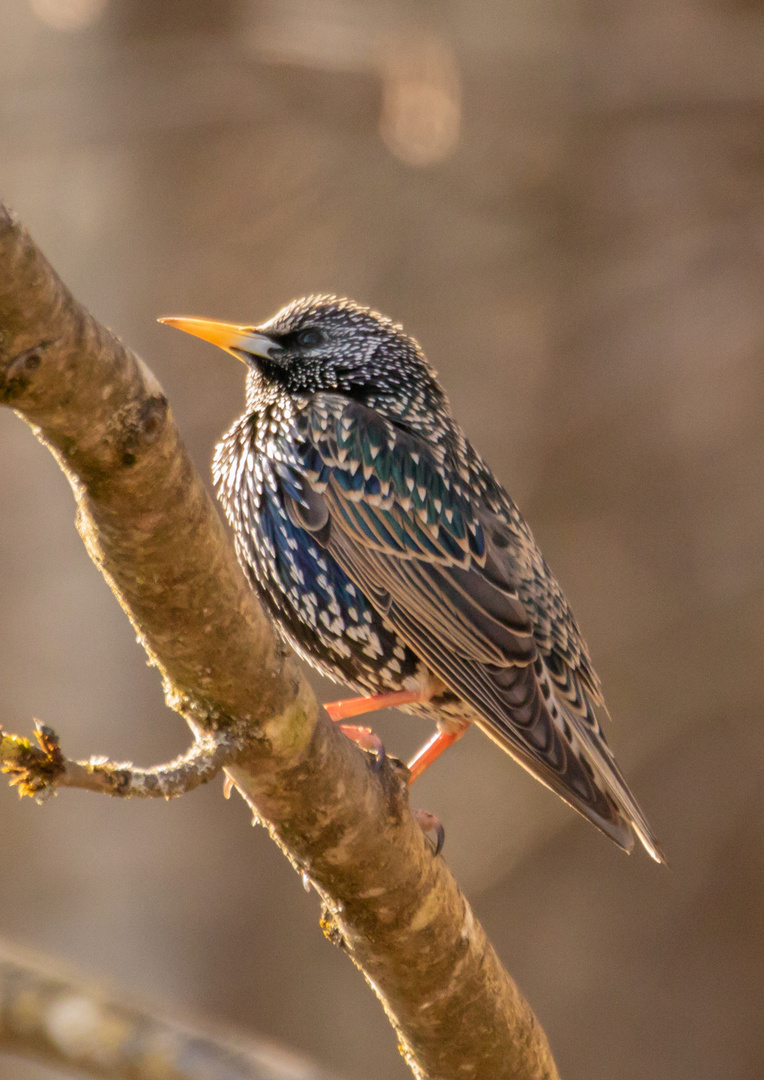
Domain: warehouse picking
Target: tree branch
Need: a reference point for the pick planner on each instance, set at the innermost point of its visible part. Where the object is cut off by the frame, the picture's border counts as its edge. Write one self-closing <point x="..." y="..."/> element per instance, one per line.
<point x="149" y="525"/>
<point x="73" y="1024"/>
<point x="40" y="771"/>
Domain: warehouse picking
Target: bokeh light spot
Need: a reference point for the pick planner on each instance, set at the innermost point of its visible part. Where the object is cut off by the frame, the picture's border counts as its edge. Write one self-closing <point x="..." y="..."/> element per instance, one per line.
<point x="421" y="100"/>
<point x="67" y="14"/>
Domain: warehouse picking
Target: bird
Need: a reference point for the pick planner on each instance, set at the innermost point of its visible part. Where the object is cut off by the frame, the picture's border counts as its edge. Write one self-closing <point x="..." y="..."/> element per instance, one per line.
<point x="391" y="558"/>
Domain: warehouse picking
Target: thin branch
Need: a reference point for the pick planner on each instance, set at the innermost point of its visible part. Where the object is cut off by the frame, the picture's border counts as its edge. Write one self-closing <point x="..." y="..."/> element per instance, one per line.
<point x="39" y="771"/>
<point x="72" y="1024"/>
<point x="148" y="523"/>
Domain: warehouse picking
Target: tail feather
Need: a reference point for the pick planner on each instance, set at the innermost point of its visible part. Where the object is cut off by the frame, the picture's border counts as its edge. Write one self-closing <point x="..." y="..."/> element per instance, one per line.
<point x="589" y="744"/>
<point x="567" y="751"/>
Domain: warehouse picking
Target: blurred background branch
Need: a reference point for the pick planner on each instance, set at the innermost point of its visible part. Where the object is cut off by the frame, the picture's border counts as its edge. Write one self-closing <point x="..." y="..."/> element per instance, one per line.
<point x="77" y="1026"/>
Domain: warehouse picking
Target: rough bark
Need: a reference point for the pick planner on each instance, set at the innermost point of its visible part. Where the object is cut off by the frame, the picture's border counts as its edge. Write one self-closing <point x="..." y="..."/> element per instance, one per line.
<point x="149" y="525"/>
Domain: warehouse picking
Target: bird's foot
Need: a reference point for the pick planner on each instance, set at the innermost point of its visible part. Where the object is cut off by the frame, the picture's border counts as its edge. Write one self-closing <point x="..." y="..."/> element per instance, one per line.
<point x="343" y="710"/>
<point x="367" y="740"/>
<point x="428" y="823"/>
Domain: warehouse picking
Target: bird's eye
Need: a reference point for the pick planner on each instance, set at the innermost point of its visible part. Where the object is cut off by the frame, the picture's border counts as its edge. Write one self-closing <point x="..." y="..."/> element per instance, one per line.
<point x="310" y="338"/>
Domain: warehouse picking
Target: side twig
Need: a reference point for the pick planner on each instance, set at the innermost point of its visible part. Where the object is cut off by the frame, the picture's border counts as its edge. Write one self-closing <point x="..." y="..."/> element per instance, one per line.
<point x="39" y="770"/>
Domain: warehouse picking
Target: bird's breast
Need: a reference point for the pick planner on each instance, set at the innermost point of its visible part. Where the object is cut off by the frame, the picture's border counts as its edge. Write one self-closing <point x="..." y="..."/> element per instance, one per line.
<point x="317" y="607"/>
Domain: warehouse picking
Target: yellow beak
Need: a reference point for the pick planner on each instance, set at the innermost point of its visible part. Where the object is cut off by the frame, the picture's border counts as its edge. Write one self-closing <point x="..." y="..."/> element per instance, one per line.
<point x="234" y="339"/>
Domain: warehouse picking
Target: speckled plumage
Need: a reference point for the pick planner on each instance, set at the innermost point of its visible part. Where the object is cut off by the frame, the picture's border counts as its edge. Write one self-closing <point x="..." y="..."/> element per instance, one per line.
<point x="391" y="558"/>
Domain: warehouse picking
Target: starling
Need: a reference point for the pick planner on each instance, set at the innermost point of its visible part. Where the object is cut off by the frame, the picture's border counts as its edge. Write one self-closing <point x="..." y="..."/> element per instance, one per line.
<point x="391" y="558"/>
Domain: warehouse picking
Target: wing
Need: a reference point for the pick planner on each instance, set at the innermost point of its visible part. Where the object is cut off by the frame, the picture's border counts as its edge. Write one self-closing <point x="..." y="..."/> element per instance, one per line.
<point x="443" y="553"/>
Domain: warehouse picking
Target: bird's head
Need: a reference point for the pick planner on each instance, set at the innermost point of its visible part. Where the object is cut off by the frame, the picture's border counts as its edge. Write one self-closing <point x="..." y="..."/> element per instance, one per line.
<point x="324" y="344"/>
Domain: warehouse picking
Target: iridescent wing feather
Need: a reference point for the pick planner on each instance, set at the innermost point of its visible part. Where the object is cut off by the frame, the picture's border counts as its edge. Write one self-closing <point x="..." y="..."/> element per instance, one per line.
<point x="447" y="559"/>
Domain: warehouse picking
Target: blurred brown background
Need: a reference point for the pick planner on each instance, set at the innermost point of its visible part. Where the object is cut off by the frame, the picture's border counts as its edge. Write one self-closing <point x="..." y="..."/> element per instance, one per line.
<point x="565" y="203"/>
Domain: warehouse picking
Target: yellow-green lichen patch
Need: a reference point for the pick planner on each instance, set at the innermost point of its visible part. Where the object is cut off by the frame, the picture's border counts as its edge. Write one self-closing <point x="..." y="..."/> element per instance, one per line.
<point x="32" y="769"/>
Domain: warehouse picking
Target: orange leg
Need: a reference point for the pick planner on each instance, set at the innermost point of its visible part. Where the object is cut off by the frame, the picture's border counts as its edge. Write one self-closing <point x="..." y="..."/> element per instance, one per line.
<point x="365" y="737"/>
<point x="342" y="710"/>
<point x="440" y="741"/>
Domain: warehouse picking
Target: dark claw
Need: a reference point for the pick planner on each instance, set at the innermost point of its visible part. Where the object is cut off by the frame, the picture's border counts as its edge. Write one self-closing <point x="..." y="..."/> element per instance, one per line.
<point x="429" y="823"/>
<point x="379" y="758"/>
